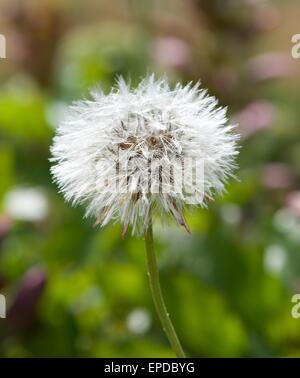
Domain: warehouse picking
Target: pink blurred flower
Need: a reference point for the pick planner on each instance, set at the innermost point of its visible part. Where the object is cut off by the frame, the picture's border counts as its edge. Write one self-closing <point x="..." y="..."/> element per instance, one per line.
<point x="277" y="176"/>
<point x="170" y="51"/>
<point x="293" y="203"/>
<point x="22" y="311"/>
<point x="267" y="16"/>
<point x="5" y="225"/>
<point x="257" y="116"/>
<point x="271" y="65"/>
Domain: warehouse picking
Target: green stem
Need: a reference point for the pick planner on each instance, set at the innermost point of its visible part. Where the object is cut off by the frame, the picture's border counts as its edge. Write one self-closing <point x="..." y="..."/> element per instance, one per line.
<point x="157" y="295"/>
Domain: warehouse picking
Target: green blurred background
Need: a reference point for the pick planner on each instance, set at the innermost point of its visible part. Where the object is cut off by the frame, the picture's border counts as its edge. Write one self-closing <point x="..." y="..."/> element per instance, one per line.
<point x="76" y="291"/>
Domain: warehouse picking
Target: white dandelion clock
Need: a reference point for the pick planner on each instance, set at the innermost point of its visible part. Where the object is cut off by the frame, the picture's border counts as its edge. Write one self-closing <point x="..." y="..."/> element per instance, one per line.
<point x="149" y="148"/>
<point x="135" y="153"/>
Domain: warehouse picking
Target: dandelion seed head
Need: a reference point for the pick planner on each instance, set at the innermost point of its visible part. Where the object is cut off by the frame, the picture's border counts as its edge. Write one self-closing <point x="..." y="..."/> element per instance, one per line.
<point x="139" y="150"/>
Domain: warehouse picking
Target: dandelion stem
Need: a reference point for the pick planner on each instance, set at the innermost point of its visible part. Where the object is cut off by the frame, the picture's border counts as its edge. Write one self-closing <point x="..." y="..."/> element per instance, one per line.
<point x="157" y="295"/>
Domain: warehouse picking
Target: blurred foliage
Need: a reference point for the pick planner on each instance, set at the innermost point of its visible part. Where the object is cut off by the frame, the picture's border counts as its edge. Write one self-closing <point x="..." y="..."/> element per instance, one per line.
<point x="74" y="290"/>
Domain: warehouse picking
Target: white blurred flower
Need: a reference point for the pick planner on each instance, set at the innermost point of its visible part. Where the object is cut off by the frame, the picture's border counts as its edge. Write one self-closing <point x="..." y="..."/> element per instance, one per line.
<point x="121" y="139"/>
<point x="288" y="222"/>
<point x="284" y="220"/>
<point x="55" y="111"/>
<point x="26" y="204"/>
<point x="275" y="259"/>
<point x="138" y="321"/>
<point x="231" y="213"/>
